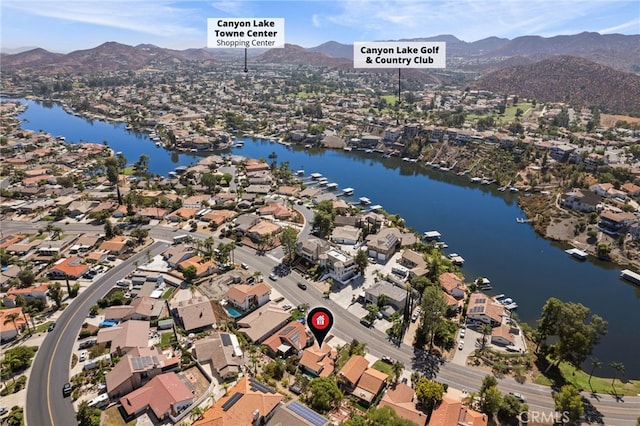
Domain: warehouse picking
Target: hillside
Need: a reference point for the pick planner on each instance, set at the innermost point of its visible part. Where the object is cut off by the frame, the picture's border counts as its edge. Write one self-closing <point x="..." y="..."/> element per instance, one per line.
<point x="569" y="79"/>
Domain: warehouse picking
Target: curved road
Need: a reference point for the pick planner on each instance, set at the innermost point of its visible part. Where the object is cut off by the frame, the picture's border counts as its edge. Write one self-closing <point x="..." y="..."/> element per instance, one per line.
<point x="49" y="408"/>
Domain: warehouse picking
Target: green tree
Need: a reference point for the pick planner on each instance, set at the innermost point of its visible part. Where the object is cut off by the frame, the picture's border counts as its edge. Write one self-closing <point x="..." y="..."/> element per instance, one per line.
<point x="112" y="165"/>
<point x="140" y="234"/>
<point x="190" y="273"/>
<point x="428" y="392"/>
<point x="434" y="306"/>
<point x="384" y="416"/>
<point x="88" y="416"/>
<point x="26" y="277"/>
<point x="289" y="240"/>
<point x="511" y="407"/>
<point x="361" y="260"/>
<point x="55" y="293"/>
<point x="595" y="363"/>
<point x="491" y="400"/>
<point x="16" y="416"/>
<point x="485" y="330"/>
<point x="322" y="222"/>
<point x="323" y="394"/>
<point x="397" y="369"/>
<point x="620" y="369"/>
<point x="569" y="400"/>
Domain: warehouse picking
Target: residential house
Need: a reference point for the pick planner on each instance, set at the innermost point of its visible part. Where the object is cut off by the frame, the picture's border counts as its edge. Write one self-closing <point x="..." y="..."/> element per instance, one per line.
<point x="223" y="352"/>
<point x="360" y="380"/>
<point x="84" y="243"/>
<point x="312" y="248"/>
<point x="294" y="413"/>
<point x="502" y="335"/>
<point x="116" y="245"/>
<point x="136" y="368"/>
<point x="451" y="412"/>
<point x="339" y="266"/>
<point x="318" y="362"/>
<point x="217" y="217"/>
<point x="245" y="222"/>
<point x="141" y="308"/>
<point x="414" y="262"/>
<point x="349" y="235"/>
<point x="13" y="321"/>
<point x="263" y="322"/>
<point x="78" y="208"/>
<point x="176" y="254"/>
<point x="483" y="309"/>
<point x="71" y="267"/>
<point x="290" y="339"/>
<point x="615" y="223"/>
<point x="7" y="275"/>
<point x="632" y="190"/>
<point x="393" y="295"/>
<point x="277" y="210"/>
<point x="263" y="229"/>
<point x="203" y="267"/>
<point x="164" y="395"/>
<point x="384" y="244"/>
<point x="401" y="399"/>
<point x="244" y="296"/>
<point x="194" y="314"/>
<point x="123" y="337"/>
<point x="452" y="285"/>
<point x="249" y="402"/>
<point x="50" y="248"/>
<point x="581" y="200"/>
<point x="29" y="294"/>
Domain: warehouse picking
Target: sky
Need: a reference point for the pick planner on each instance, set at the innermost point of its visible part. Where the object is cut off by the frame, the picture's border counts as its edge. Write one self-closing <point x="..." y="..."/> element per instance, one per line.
<point x="67" y="25"/>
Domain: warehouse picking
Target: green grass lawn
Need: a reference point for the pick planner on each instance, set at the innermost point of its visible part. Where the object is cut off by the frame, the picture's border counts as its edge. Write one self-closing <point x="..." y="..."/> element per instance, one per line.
<point x="384" y="367"/>
<point x="391" y="99"/>
<point x="112" y="417"/>
<point x="566" y="374"/>
<point x="165" y="339"/>
<point x="167" y="294"/>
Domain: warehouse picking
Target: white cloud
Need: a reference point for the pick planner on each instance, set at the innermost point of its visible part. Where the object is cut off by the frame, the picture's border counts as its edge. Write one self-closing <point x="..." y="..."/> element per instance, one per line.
<point x="634" y="23"/>
<point x="155" y="18"/>
<point x="315" y="20"/>
<point x="237" y="8"/>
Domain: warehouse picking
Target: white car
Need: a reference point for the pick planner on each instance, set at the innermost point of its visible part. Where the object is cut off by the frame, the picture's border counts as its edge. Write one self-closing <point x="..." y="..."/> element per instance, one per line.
<point x="517" y="395"/>
<point x="273" y="277"/>
<point x="462" y="333"/>
<point x="83" y="356"/>
<point x="286" y="306"/>
<point x="460" y="345"/>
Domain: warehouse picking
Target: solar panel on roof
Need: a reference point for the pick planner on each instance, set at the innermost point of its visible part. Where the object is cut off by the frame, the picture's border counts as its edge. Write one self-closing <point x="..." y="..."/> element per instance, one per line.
<point x="226" y="340"/>
<point x="286" y="330"/>
<point x="307" y="413"/>
<point x="234" y="398"/>
<point x="258" y="386"/>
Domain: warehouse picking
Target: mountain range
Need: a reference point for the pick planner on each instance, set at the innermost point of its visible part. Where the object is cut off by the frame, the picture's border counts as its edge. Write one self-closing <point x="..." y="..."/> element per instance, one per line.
<point x="525" y="63"/>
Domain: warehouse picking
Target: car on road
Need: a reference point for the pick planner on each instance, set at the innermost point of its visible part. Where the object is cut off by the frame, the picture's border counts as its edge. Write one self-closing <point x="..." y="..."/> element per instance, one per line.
<point x="244" y="265"/>
<point x="273" y="277"/>
<point x="388" y="360"/>
<point x="83" y="356"/>
<point x="52" y="326"/>
<point x="518" y="396"/>
<point x="302" y="285"/>
<point x="3" y="411"/>
<point x="66" y="389"/>
<point x="462" y="333"/>
<point x="460" y="345"/>
<point x="286" y="306"/>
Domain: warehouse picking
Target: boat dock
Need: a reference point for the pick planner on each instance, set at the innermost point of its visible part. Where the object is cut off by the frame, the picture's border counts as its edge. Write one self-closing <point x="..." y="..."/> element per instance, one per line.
<point x="456" y="259"/>
<point x="578" y="254"/>
<point x="629" y="275"/>
<point x="432" y="235"/>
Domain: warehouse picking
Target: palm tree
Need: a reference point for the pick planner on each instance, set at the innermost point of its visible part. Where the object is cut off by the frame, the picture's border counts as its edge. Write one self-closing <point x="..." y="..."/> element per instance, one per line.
<point x="595" y="363"/>
<point x="397" y="368"/>
<point x="196" y="413"/>
<point x="485" y="329"/>
<point x="620" y="369"/>
<point x="12" y="317"/>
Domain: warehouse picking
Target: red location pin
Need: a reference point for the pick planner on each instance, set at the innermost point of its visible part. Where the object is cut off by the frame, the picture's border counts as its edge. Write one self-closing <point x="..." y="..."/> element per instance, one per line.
<point x="320" y="321"/>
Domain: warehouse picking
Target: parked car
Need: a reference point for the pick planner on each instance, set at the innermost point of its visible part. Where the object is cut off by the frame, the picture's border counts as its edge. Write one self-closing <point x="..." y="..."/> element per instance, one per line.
<point x="244" y="265"/>
<point x="460" y="345"/>
<point x="388" y="360"/>
<point x="273" y="277"/>
<point x="462" y="333"/>
<point x="83" y="356"/>
<point x="3" y="411"/>
<point x="52" y="326"/>
<point x="66" y="389"/>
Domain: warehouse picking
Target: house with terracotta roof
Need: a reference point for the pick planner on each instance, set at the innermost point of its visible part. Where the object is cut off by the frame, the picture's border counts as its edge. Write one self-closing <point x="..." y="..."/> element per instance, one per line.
<point x="183" y="213"/>
<point x="244" y="296"/>
<point x="249" y="402"/>
<point x="351" y="371"/>
<point x="223" y="352"/>
<point x="263" y="228"/>
<point x="195" y="314"/>
<point x="277" y="210"/>
<point x="290" y="339"/>
<point x="414" y="262"/>
<point x="123" y="337"/>
<point x="31" y="293"/>
<point x="218" y="217"/>
<point x="361" y="381"/>
<point x="452" y="285"/>
<point x="136" y="368"/>
<point x="71" y="267"/>
<point x="164" y="395"/>
<point x="502" y="335"/>
<point x="318" y="362"/>
<point x="142" y="308"/>
<point x="451" y="412"/>
<point x="631" y="189"/>
<point x="203" y="267"/>
<point x="312" y="248"/>
<point x="482" y="308"/>
<point x="401" y="399"/>
<point x="10" y="328"/>
<point x="116" y="245"/>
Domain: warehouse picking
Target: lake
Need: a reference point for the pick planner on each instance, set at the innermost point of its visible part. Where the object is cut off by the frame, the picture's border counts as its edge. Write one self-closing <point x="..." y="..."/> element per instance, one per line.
<point x="476" y="221"/>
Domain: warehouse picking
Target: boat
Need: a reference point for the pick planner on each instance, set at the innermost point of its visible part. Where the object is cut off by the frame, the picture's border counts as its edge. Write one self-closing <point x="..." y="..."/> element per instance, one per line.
<point x="630" y="276"/>
<point x="348" y="191"/>
<point x="522" y="220"/>
<point x="273" y="155"/>
<point x="499" y="296"/>
<point x="456" y="259"/>
<point x="441" y="245"/>
<point x="578" y="254"/>
<point x="511" y="306"/>
<point x="158" y="144"/>
<point x="502" y="188"/>
<point x="513" y="189"/>
<point x="307" y="146"/>
<point x="476" y="180"/>
<point x="368" y="151"/>
<point x="315" y="176"/>
<point x="364" y="200"/>
<point x="375" y="208"/>
<point x="347" y="148"/>
<point x="300" y="173"/>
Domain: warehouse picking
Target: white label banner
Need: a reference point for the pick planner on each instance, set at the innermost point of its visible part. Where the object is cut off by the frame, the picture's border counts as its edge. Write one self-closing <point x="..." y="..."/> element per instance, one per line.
<point x="249" y="33"/>
<point x="398" y="54"/>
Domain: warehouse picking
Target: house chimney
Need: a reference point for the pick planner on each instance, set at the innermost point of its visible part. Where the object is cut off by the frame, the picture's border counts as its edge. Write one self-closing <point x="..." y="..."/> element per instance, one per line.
<point x="256" y="415"/>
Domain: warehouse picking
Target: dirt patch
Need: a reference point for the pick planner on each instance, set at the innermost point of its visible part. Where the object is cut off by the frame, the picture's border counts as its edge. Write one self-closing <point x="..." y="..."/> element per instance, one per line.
<point x="608" y="120"/>
<point x="197" y="380"/>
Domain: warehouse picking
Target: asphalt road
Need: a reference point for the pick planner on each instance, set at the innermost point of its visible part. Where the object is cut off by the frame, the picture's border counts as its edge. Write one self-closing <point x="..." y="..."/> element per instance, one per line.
<point x="45" y="407"/>
<point x="45" y="402"/>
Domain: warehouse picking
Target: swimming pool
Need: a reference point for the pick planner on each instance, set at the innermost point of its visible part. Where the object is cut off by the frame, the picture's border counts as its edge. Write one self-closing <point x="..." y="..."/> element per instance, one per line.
<point x="233" y="311"/>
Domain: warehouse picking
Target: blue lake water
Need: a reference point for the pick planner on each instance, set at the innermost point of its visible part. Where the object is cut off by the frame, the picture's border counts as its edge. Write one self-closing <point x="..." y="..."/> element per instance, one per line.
<point x="475" y="221"/>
